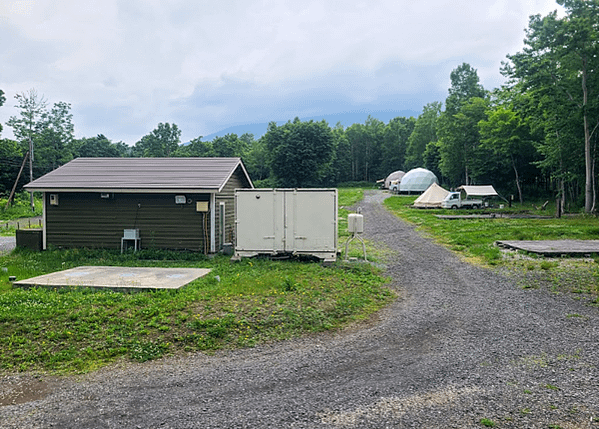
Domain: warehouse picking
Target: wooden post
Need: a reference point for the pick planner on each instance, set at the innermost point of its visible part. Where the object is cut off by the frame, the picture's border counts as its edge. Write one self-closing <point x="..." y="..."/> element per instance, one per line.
<point x="12" y="193"/>
<point x="31" y="170"/>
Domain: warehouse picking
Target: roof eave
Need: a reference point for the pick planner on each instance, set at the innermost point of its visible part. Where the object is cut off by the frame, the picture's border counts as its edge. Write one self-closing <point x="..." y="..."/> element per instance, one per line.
<point x="127" y="190"/>
<point x="247" y="176"/>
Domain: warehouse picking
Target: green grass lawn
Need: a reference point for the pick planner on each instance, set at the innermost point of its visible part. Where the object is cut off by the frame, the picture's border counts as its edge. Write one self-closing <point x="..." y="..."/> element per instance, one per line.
<point x="250" y="302"/>
<point x="474" y="240"/>
<point x="237" y="305"/>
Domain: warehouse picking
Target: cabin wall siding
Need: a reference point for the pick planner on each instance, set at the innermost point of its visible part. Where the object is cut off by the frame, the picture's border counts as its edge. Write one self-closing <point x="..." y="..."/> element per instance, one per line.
<point x="87" y="220"/>
<point x="227" y="195"/>
<point x="84" y="219"/>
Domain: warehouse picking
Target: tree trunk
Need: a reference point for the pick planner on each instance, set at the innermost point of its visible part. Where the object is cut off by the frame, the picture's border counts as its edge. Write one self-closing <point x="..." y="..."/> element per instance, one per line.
<point x="589" y="202"/>
<point x="517" y="180"/>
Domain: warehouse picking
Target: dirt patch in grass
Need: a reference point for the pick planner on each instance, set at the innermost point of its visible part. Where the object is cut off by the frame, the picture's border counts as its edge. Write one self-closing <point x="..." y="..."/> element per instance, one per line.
<point x="23" y="389"/>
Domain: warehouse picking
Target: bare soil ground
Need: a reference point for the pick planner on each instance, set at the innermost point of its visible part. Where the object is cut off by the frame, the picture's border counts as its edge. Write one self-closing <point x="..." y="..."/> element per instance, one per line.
<point x="463" y="347"/>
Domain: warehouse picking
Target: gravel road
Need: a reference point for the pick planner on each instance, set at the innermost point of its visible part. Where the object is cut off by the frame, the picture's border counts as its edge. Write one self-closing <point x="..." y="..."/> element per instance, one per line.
<point x="7" y="244"/>
<point x="462" y="344"/>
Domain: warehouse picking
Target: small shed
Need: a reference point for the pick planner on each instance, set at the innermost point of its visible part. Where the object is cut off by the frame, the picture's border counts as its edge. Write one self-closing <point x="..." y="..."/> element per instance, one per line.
<point x="166" y="203"/>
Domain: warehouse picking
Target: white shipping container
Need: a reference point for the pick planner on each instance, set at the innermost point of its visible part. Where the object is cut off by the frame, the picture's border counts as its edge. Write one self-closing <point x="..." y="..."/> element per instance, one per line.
<point x="292" y="221"/>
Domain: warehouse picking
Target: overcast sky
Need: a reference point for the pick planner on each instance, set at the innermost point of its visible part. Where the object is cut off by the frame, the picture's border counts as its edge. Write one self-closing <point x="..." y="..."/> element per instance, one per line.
<point x="205" y="65"/>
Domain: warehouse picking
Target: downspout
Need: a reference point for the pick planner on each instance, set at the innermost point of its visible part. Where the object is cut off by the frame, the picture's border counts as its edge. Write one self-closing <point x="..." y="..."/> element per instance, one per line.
<point x="44" y="245"/>
<point x="212" y="223"/>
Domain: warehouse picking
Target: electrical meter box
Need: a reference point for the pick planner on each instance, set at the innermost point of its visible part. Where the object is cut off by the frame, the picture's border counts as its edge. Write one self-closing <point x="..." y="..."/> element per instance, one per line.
<point x="201" y="206"/>
<point x="286" y="221"/>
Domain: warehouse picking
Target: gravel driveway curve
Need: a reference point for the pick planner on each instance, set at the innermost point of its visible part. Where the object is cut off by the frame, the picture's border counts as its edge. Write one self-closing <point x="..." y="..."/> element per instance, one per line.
<point x="7" y="244"/>
<point x="462" y="347"/>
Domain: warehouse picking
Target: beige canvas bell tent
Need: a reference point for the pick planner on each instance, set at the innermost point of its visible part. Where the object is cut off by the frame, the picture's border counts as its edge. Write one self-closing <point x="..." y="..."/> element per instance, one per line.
<point x="431" y="198"/>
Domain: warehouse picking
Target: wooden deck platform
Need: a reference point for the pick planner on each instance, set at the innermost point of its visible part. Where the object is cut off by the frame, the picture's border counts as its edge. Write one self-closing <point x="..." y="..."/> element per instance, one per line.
<point x="492" y="216"/>
<point x="554" y="247"/>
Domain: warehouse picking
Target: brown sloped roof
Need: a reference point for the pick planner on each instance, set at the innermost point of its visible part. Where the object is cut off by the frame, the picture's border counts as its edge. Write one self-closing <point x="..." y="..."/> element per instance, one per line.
<point x="141" y="175"/>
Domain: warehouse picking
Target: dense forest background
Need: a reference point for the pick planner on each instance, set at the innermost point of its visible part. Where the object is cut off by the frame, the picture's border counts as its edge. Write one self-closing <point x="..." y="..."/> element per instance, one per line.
<point x="535" y="137"/>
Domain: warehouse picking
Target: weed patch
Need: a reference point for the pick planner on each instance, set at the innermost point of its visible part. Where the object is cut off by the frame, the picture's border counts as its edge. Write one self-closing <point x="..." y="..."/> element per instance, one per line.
<point x="238" y="305"/>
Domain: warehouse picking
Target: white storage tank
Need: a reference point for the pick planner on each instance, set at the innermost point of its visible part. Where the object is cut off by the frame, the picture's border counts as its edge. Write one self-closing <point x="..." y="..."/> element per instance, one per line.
<point x="286" y="221"/>
<point x="355" y="223"/>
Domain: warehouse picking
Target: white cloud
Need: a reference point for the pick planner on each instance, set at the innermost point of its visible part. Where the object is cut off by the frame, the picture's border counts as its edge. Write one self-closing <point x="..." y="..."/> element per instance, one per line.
<point x="126" y="65"/>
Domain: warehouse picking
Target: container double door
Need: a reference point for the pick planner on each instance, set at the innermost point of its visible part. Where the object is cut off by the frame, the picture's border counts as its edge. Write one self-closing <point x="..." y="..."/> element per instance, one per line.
<point x="286" y="221"/>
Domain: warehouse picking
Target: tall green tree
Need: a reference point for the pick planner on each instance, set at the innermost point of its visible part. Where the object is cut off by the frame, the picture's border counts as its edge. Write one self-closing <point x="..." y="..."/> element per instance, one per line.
<point x="342" y="159"/>
<point x="163" y="141"/>
<point x="465" y="84"/>
<point x="98" y="147"/>
<point x="53" y="142"/>
<point x="425" y="132"/>
<point x="230" y="146"/>
<point x="195" y="148"/>
<point x="395" y="141"/>
<point x="506" y="134"/>
<point x="300" y="152"/>
<point x="457" y="127"/>
<point x="32" y="116"/>
<point x="560" y="60"/>
<point x="461" y="158"/>
<point x="11" y="158"/>
<point x="366" y="142"/>
<point x="257" y="161"/>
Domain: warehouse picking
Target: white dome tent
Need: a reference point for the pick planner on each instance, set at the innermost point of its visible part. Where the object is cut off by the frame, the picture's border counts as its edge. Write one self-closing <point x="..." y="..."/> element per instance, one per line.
<point x="396" y="175"/>
<point x="417" y="180"/>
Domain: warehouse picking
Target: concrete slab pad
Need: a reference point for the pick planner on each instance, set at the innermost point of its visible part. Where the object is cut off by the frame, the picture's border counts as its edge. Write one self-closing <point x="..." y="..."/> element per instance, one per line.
<point x="554" y="247"/>
<point x="117" y="278"/>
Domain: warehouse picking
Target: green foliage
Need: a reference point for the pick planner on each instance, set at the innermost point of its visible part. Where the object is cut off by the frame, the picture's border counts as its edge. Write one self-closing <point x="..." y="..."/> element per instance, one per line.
<point x="487" y="422"/>
<point x="463" y="160"/>
<point x="559" y="69"/>
<point x="236" y="305"/>
<point x="300" y="152"/>
<point x="377" y="150"/>
<point x="396" y="136"/>
<point x="11" y="158"/>
<point x="163" y="141"/>
<point x="425" y="132"/>
<point x="465" y="85"/>
<point x="196" y="147"/>
<point x="230" y="146"/>
<point x="31" y="119"/>
<point x="99" y="146"/>
<point x="506" y="135"/>
<point x="20" y="207"/>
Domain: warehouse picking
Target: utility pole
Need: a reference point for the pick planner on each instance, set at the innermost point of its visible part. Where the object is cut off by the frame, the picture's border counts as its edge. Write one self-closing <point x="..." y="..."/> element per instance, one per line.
<point x="14" y="188"/>
<point x="31" y="171"/>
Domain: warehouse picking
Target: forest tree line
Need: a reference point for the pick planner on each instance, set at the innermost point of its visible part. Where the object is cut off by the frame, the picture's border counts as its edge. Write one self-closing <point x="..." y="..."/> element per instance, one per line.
<point x="536" y="136"/>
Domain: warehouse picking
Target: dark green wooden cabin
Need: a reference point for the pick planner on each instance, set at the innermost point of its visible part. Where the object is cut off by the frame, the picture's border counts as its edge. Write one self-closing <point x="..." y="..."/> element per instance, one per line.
<point x="174" y="203"/>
